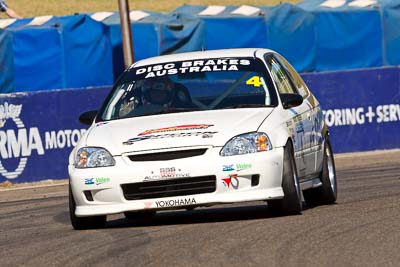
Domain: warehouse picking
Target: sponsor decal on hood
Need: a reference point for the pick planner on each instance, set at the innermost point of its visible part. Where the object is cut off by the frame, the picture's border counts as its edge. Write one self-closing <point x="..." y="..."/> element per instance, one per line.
<point x="131" y="141"/>
<point x="176" y="128"/>
<point x="128" y="135"/>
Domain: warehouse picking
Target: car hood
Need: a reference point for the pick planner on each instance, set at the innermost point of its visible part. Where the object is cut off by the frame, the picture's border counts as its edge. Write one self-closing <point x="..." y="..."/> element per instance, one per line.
<point x="199" y="128"/>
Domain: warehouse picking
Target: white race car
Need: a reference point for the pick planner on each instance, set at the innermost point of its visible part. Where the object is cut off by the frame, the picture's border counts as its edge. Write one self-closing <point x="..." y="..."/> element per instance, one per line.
<point x="198" y="129"/>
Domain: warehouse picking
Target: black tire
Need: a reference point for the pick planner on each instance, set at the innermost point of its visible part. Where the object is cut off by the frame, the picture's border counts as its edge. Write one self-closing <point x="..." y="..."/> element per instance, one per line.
<point x="290" y="204"/>
<point x="139" y="215"/>
<point x="81" y="223"/>
<point x="327" y="193"/>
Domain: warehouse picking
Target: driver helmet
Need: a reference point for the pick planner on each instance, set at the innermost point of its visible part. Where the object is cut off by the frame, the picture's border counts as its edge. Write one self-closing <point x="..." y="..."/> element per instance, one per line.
<point x="158" y="91"/>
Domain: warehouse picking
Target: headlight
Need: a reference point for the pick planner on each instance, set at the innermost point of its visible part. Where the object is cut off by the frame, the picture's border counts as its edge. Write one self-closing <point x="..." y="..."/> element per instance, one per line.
<point x="246" y="143"/>
<point x="91" y="157"/>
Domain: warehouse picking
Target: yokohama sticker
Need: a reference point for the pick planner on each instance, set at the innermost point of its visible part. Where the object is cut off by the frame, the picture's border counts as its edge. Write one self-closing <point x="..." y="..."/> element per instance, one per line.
<point x="170" y="203"/>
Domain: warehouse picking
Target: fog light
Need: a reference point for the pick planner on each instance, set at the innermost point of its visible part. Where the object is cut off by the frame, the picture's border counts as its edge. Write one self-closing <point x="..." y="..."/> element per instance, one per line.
<point x="88" y="195"/>
<point x="255" y="179"/>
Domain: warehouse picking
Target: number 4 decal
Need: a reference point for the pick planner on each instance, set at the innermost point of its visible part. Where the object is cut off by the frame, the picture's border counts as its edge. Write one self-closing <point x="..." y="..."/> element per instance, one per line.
<point x="255" y="81"/>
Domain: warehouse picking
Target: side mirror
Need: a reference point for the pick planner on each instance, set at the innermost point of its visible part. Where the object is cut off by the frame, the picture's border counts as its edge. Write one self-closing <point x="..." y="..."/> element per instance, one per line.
<point x="291" y="100"/>
<point x="88" y="117"/>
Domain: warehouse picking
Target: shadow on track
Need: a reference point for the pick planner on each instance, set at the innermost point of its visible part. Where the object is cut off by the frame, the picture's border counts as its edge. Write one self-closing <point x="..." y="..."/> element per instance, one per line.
<point x="198" y="216"/>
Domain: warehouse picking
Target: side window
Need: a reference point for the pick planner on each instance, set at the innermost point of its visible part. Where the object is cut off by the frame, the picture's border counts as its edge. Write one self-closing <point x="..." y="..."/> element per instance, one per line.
<point x="280" y="76"/>
<point x="297" y="80"/>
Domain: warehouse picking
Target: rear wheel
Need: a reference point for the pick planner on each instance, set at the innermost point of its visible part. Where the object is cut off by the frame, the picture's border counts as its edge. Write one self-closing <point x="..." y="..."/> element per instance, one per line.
<point x="80" y="223"/>
<point x="327" y="193"/>
<point x="291" y="202"/>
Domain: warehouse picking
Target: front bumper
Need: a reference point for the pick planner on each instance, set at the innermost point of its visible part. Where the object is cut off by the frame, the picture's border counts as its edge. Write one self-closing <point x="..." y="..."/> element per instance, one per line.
<point x="234" y="181"/>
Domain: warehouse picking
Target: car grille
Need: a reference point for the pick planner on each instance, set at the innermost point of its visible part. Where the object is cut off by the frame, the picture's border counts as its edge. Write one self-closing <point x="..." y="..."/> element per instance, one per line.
<point x="169" y="188"/>
<point x="168" y="155"/>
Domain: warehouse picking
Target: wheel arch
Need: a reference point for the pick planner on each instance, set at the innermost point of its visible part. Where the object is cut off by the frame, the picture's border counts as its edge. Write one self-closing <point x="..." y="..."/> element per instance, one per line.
<point x="280" y="137"/>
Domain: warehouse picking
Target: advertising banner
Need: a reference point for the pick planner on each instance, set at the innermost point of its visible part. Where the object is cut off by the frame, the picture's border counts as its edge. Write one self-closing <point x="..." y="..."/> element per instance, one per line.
<point x="361" y="107"/>
<point x="39" y="129"/>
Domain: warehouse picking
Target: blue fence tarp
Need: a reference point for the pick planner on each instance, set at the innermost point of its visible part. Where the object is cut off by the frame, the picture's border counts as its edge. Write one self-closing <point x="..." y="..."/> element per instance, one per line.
<point x="39" y="129"/>
<point x="37" y="58"/>
<point x="369" y="35"/>
<point x="291" y="33"/>
<point x="224" y="33"/>
<point x="196" y="9"/>
<point x="348" y="40"/>
<point x="229" y="31"/>
<point x="76" y="51"/>
<point x="391" y="33"/>
<point x="156" y="34"/>
<point x="346" y="37"/>
<point x="65" y="52"/>
<point x="7" y="77"/>
<point x="285" y="28"/>
<point x="87" y="52"/>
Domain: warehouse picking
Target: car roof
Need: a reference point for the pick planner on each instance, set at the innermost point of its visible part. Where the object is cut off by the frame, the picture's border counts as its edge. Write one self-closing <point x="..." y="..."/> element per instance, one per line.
<point x="240" y="52"/>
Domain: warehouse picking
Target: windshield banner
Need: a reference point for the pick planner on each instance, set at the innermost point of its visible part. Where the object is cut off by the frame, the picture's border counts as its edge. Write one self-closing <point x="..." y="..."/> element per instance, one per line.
<point x="193" y="66"/>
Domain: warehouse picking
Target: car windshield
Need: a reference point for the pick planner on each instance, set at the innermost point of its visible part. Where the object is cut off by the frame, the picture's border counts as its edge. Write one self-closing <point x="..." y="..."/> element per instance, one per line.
<point x="191" y="85"/>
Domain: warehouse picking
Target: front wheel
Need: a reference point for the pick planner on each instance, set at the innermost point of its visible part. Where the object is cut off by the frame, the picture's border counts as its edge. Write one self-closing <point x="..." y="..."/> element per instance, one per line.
<point x="291" y="202"/>
<point x="327" y="192"/>
<point x="80" y="223"/>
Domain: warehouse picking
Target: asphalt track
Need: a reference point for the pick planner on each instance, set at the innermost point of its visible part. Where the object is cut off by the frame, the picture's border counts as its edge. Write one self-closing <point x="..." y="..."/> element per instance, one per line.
<point x="362" y="229"/>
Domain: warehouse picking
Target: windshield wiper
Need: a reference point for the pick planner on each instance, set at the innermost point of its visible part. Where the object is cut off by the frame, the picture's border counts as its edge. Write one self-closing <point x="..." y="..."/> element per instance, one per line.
<point x="246" y="106"/>
<point x="176" y="110"/>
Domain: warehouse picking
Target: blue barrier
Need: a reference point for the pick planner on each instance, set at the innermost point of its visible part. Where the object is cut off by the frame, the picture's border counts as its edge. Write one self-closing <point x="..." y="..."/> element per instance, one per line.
<point x="361" y="107"/>
<point x="39" y="129"/>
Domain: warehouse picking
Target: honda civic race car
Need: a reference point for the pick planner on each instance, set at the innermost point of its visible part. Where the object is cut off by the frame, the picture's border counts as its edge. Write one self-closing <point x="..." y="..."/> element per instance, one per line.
<point x="199" y="129"/>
